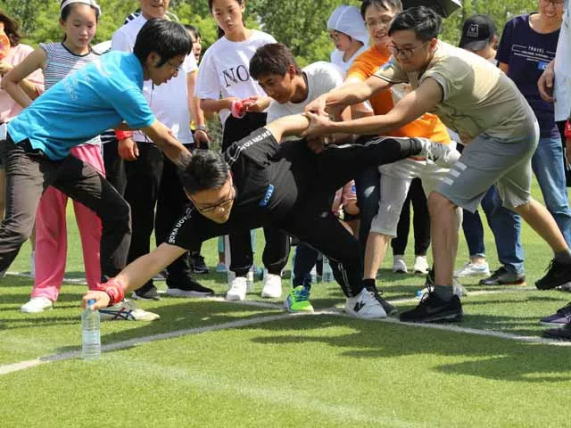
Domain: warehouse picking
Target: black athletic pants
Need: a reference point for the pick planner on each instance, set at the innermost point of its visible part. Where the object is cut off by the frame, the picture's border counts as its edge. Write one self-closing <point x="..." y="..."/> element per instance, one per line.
<point x="276" y="250"/>
<point x="152" y="182"/>
<point x="29" y="172"/>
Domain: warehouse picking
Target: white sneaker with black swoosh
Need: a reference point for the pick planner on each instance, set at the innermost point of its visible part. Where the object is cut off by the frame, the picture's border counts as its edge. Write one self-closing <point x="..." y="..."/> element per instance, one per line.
<point x="365" y="305"/>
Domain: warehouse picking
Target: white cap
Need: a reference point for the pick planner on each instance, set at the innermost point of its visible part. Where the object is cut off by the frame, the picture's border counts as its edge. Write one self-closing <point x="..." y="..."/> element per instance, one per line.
<point x="348" y="20"/>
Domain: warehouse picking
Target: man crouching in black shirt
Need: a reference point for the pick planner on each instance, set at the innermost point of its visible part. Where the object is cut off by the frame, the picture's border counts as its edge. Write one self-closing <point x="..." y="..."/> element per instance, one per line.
<point x="257" y="181"/>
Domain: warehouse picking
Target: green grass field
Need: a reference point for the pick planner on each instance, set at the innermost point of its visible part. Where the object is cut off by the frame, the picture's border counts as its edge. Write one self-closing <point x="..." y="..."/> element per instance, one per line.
<point x="210" y="363"/>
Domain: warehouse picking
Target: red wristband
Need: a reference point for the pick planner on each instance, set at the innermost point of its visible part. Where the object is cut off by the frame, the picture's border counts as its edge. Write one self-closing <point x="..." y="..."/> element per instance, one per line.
<point x="114" y="289"/>
<point x="568" y="129"/>
<point x="121" y="135"/>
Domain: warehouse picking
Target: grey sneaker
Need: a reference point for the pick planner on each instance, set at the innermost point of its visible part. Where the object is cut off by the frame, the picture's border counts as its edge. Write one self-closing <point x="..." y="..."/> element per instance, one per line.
<point x="441" y="154"/>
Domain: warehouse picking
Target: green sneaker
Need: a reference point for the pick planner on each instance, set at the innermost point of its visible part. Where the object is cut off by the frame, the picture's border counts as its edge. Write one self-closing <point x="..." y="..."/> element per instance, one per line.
<point x="298" y="300"/>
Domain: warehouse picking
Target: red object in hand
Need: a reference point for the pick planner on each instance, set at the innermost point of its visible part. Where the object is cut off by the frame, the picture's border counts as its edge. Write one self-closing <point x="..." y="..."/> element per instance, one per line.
<point x="4" y="45"/>
<point x="238" y="109"/>
<point x="114" y="289"/>
<point x="568" y="129"/>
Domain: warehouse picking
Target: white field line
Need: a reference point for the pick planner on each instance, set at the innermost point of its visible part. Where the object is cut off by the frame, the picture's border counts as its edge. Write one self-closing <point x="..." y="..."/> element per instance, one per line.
<point x="9" y="368"/>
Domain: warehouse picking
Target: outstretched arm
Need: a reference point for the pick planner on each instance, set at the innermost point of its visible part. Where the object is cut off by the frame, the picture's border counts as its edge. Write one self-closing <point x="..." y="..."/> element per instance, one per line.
<point x="413" y="105"/>
<point x="170" y="146"/>
<point x="136" y="274"/>
<point x="285" y="126"/>
<point x="348" y="94"/>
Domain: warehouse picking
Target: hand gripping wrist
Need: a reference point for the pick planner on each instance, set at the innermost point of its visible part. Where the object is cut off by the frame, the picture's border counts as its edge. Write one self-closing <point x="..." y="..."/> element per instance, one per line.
<point x="115" y="290"/>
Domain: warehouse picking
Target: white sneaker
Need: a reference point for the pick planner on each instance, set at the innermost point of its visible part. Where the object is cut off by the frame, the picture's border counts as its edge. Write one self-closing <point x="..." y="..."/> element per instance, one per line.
<point x="473" y="269"/>
<point x="237" y="289"/>
<point x="127" y="311"/>
<point x="364" y="305"/>
<point x="441" y="154"/>
<point x="36" y="305"/>
<point x="272" y="286"/>
<point x="399" y="265"/>
<point x="33" y="265"/>
<point x="420" y="265"/>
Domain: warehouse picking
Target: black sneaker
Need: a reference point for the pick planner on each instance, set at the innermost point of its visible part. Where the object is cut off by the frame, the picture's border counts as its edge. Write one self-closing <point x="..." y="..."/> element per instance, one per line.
<point x="433" y="309"/>
<point x="563" y="333"/>
<point x="560" y="318"/>
<point x="197" y="264"/>
<point x="503" y="277"/>
<point x="187" y="287"/>
<point x="557" y="274"/>
<point x="147" y="292"/>
<point x="389" y="309"/>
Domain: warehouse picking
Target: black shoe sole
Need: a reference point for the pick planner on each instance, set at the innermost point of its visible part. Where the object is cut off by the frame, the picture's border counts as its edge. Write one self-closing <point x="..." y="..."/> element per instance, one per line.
<point x="443" y="317"/>
<point x="548" y="286"/>
<point x="499" y="283"/>
<point x="546" y="335"/>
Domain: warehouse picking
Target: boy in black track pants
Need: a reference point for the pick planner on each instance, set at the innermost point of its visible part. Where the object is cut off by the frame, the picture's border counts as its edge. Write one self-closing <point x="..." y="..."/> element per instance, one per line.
<point x="258" y="181"/>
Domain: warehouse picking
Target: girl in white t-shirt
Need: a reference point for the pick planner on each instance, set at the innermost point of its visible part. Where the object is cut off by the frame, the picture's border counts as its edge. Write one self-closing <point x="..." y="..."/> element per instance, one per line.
<point x="224" y="86"/>
<point x="223" y="76"/>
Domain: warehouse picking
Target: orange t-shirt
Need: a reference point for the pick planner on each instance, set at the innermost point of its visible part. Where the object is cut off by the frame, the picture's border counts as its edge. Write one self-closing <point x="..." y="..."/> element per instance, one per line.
<point x="427" y="126"/>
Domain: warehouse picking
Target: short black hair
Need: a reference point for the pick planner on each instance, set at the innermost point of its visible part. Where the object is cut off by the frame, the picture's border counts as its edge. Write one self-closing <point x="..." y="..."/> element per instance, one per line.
<point x="272" y="58"/>
<point x="167" y="38"/>
<point x="205" y="170"/>
<point x="424" y="21"/>
<point x="194" y="31"/>
<point x="383" y="4"/>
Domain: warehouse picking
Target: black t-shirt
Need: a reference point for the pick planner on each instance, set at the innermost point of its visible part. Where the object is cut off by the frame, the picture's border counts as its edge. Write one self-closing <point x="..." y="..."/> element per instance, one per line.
<point x="266" y="175"/>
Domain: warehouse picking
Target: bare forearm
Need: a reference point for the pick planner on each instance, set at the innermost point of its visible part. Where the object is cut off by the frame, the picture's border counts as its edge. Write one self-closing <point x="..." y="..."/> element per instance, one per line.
<point x="196" y="112"/>
<point x="175" y="151"/>
<point x="214" y="106"/>
<point x="349" y="94"/>
<point x="30" y="88"/>
<point x="137" y="273"/>
<point x="372" y="125"/>
<point x="288" y="125"/>
<point x="17" y="93"/>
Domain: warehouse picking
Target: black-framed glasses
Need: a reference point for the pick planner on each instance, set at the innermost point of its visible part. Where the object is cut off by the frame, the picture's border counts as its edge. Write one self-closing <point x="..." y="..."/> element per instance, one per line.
<point x="222" y="204"/>
<point x="405" y="53"/>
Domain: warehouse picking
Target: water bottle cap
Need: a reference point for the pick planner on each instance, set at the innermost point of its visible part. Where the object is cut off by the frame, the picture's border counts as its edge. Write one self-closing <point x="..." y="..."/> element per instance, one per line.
<point x="90" y="302"/>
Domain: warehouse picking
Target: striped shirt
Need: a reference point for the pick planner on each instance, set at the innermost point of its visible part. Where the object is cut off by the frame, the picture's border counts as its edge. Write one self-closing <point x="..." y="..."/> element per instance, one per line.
<point x="60" y="63"/>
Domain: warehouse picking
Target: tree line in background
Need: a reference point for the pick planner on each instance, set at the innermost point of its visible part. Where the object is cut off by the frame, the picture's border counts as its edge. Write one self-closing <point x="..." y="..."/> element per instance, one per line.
<point x="300" y="24"/>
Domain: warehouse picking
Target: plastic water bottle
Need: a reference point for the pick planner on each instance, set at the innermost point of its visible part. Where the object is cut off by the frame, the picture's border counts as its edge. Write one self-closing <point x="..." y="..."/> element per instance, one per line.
<point x="91" y="335"/>
<point x="313" y="274"/>
<point x="327" y="274"/>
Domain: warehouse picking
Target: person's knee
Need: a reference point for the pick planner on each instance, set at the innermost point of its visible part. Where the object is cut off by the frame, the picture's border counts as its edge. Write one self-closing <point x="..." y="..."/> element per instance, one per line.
<point x="119" y="214"/>
<point x="438" y="204"/>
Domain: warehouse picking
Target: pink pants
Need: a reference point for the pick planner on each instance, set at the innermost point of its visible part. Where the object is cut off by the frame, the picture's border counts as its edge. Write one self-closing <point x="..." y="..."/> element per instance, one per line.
<point x="51" y="234"/>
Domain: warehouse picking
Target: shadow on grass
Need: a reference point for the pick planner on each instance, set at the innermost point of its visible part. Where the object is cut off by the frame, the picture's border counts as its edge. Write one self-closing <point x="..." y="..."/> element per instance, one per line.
<point x="492" y="358"/>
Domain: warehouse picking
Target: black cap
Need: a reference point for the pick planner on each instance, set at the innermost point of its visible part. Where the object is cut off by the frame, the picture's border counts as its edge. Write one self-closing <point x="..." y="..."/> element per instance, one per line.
<point x="477" y="32"/>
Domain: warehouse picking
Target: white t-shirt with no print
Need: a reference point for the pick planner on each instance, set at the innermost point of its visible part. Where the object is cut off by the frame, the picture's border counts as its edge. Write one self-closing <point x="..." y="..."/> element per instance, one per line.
<point x="169" y="101"/>
<point x="322" y="77"/>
